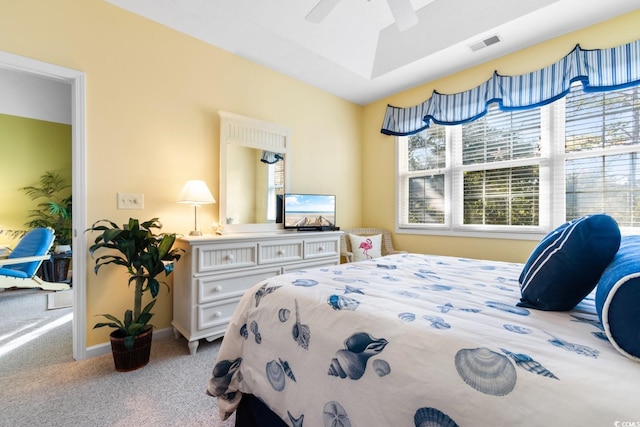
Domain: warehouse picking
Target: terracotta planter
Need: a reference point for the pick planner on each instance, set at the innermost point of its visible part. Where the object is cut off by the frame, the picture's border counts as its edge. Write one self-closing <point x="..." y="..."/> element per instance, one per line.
<point x="129" y="360"/>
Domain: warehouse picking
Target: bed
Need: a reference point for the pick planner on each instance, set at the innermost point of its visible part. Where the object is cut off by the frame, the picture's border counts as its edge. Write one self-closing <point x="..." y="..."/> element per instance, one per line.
<point x="419" y="340"/>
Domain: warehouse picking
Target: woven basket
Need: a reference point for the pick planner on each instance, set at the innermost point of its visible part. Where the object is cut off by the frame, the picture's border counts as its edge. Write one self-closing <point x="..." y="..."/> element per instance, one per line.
<point x="129" y="360"/>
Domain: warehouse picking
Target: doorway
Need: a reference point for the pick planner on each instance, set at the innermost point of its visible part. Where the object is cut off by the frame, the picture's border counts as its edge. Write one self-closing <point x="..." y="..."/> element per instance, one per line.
<point x="76" y="80"/>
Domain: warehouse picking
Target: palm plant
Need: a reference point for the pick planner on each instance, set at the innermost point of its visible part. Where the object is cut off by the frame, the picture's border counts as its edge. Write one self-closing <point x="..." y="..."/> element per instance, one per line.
<point x="54" y="209"/>
<point x="145" y="255"/>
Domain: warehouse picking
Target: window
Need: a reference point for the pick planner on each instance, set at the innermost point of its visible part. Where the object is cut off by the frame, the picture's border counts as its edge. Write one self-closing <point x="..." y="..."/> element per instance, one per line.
<point x="602" y="149"/>
<point x="426" y="158"/>
<point x="521" y="173"/>
<point x="275" y="187"/>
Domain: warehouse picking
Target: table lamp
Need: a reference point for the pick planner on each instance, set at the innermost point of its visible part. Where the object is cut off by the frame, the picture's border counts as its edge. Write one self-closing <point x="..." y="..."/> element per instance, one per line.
<point x="196" y="193"/>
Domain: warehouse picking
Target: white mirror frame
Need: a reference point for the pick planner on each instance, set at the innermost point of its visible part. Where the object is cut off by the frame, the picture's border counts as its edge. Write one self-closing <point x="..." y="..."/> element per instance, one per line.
<point x="249" y="132"/>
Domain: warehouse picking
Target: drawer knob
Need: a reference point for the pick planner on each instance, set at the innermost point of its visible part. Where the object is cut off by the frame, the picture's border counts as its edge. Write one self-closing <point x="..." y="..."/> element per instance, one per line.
<point x="280" y="252"/>
<point x="217" y="288"/>
<point x="229" y="257"/>
<point x="320" y="248"/>
<point x="217" y="314"/>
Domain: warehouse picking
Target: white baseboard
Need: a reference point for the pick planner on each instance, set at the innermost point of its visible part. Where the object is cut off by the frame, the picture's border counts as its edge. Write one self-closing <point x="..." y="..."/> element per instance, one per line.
<point x="105" y="348"/>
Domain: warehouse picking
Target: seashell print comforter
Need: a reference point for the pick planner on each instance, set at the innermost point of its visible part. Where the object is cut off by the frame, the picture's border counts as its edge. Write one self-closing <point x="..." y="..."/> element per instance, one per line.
<point x="420" y="340"/>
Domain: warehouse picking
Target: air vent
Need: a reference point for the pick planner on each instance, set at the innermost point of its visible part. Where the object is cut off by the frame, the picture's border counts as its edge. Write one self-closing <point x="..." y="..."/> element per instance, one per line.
<point x="484" y="43"/>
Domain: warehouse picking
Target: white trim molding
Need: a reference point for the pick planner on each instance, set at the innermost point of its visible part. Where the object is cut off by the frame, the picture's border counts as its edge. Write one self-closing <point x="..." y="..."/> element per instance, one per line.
<point x="76" y="80"/>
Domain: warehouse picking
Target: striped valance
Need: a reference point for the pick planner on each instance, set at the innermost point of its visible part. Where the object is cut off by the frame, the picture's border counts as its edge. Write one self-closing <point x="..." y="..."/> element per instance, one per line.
<point x="598" y="70"/>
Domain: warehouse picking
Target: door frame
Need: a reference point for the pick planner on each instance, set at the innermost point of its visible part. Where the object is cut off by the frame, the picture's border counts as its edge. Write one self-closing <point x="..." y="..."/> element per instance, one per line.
<point x="77" y="81"/>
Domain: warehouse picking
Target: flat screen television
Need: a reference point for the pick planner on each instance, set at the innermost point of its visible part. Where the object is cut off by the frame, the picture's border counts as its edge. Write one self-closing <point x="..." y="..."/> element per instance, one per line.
<point x="309" y="211"/>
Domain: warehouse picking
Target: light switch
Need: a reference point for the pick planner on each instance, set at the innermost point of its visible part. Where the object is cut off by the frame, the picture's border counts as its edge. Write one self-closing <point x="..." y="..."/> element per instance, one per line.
<point x="130" y="201"/>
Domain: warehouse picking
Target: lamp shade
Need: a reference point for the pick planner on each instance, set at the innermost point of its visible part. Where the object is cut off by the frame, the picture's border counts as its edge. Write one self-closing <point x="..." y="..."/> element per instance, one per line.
<point x="196" y="192"/>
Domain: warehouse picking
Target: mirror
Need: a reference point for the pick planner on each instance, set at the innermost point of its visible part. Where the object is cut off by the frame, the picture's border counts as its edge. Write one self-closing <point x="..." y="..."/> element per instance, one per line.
<point x="253" y="170"/>
<point x="256" y="181"/>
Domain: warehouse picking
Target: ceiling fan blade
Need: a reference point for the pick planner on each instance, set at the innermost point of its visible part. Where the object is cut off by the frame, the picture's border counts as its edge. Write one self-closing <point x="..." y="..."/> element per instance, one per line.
<point x="403" y="13"/>
<point x="321" y="10"/>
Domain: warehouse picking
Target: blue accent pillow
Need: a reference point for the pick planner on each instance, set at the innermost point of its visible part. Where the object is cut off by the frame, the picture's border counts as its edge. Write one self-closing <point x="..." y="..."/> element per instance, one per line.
<point x="566" y="265"/>
<point x="618" y="299"/>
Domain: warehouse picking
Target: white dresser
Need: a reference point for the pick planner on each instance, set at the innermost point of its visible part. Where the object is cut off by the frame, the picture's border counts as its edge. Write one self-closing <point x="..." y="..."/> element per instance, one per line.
<point x="215" y="272"/>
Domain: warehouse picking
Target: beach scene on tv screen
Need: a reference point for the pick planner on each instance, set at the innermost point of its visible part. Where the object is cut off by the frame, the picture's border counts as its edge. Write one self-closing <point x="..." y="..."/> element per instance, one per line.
<point x="309" y="210"/>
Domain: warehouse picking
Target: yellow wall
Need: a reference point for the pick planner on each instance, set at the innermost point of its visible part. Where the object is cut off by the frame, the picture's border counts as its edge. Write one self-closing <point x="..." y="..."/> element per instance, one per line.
<point x="28" y="148"/>
<point x="378" y="187"/>
<point x="152" y="101"/>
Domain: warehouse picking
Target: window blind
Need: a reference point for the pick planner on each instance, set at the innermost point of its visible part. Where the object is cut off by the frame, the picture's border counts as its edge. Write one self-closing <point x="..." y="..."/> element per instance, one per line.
<point x="602" y="160"/>
<point x="525" y="171"/>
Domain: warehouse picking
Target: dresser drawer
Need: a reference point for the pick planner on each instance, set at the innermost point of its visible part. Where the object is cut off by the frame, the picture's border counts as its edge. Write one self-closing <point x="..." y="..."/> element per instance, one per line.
<point x="216" y="314"/>
<point x="225" y="256"/>
<point x="279" y="252"/>
<point x="320" y="248"/>
<point x="308" y="265"/>
<point x="232" y="285"/>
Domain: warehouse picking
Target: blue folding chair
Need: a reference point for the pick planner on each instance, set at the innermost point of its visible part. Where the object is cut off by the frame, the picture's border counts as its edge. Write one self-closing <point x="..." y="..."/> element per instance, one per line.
<point x="18" y="269"/>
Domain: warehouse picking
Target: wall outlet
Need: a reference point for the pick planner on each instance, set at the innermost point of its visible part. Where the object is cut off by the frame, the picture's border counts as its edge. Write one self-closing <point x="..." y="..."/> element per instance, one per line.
<point x="130" y="201"/>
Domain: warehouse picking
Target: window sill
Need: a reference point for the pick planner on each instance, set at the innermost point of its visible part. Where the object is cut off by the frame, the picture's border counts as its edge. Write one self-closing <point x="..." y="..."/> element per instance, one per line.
<point x="535" y="236"/>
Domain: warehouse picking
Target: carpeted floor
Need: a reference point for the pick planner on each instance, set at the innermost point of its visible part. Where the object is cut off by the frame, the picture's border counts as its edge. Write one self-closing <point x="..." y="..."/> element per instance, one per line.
<point x="32" y="335"/>
<point x="41" y="385"/>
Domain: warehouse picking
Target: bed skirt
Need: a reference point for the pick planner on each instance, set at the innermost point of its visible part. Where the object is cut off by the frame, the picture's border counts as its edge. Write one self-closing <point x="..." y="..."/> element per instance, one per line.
<point x="252" y="412"/>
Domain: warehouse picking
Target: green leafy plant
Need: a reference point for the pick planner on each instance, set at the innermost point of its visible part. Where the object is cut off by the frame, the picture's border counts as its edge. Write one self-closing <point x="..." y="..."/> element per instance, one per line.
<point x="55" y="208"/>
<point x="145" y="255"/>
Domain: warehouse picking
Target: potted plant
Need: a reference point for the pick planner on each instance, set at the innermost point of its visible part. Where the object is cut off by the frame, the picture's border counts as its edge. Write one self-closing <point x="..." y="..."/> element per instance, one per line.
<point x="54" y="209"/>
<point x="145" y="255"/>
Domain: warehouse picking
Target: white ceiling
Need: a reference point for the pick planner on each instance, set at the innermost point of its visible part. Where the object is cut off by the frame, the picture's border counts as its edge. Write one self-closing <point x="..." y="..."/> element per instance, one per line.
<point x="357" y="52"/>
<point x="36" y="97"/>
